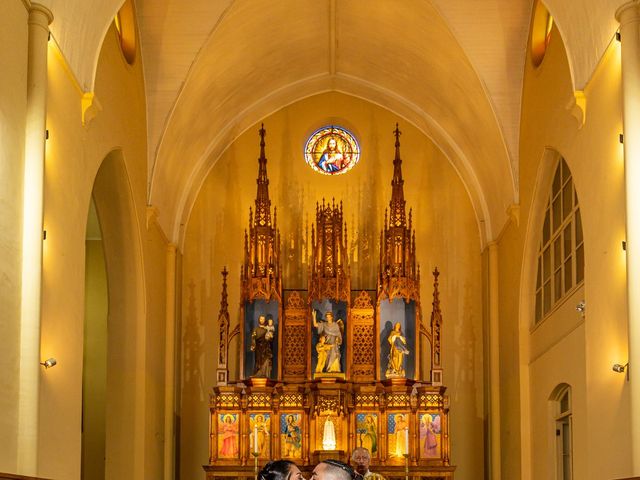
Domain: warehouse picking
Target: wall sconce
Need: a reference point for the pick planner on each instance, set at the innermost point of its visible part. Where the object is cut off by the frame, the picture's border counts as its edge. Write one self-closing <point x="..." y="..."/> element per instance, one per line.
<point x="581" y="307"/>
<point x="621" y="369"/>
<point x="48" y="363"/>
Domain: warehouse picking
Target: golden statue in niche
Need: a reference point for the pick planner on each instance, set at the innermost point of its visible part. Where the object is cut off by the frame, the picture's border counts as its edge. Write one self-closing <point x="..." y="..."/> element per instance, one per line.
<point x="398" y="352"/>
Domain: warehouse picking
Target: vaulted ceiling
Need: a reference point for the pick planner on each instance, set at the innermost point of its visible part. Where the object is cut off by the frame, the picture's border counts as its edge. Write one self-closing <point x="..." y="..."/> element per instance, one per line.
<point x="453" y="68"/>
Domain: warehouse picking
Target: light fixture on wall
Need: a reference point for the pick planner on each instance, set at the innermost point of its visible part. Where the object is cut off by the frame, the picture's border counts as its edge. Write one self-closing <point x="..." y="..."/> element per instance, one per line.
<point x="618" y="368"/>
<point x="49" y="362"/>
<point x="581" y="307"/>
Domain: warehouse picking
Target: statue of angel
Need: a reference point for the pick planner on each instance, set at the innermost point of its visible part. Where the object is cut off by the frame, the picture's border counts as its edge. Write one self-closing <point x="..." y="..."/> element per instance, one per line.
<point x="332" y="332"/>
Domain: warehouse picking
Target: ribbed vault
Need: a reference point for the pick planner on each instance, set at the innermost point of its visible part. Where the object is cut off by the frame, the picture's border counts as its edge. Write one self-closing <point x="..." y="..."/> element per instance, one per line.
<point x="450" y="67"/>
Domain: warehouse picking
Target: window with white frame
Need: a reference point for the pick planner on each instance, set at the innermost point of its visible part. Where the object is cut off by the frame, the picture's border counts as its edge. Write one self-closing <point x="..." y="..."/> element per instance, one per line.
<point x="561" y="252"/>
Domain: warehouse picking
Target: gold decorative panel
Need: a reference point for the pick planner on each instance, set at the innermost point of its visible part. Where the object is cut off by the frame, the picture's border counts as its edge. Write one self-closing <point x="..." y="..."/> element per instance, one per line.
<point x="295" y="349"/>
<point x="363" y="345"/>
<point x="259" y="400"/>
<point x="362" y="301"/>
<point x="291" y="400"/>
<point x="431" y="401"/>
<point x="367" y="400"/>
<point x="228" y="400"/>
<point x="398" y="400"/>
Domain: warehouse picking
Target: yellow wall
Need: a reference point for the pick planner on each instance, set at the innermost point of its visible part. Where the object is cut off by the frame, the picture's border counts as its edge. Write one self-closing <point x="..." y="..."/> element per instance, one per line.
<point x="13" y="31"/>
<point x="116" y="141"/>
<point x="565" y="348"/>
<point x="95" y="361"/>
<point x="446" y="232"/>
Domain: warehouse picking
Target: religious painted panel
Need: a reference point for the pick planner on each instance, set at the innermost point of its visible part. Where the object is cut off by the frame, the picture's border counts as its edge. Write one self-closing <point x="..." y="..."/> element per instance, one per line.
<point x="259" y="438"/>
<point x="228" y="435"/>
<point x="291" y="435"/>
<point x="328" y="338"/>
<point x="397" y="338"/>
<point x="367" y="432"/>
<point x="430" y="435"/>
<point x="261" y="323"/>
<point x="332" y="150"/>
<point x="397" y="434"/>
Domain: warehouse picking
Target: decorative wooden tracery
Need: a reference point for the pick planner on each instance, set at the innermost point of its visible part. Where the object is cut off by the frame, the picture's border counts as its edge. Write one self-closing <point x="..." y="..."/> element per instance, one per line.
<point x="330" y="275"/>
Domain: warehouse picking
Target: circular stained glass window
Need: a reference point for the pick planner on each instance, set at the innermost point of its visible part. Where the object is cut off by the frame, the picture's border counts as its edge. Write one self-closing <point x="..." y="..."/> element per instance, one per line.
<point x="332" y="150"/>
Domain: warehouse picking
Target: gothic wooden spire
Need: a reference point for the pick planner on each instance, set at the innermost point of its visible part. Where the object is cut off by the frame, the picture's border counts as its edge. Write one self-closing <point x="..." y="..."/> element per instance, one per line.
<point x="263" y="204"/>
<point x="262" y="241"/>
<point x="399" y="275"/>
<point x="397" y="205"/>
<point x="436" y="328"/>
<point x="223" y="333"/>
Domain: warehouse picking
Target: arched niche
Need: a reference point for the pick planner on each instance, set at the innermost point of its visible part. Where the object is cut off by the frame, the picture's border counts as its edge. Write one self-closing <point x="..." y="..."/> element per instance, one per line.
<point x="125" y="336"/>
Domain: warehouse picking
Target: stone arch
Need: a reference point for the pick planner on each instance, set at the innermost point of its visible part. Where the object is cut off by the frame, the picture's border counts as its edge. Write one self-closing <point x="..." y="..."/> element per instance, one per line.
<point x="125" y="393"/>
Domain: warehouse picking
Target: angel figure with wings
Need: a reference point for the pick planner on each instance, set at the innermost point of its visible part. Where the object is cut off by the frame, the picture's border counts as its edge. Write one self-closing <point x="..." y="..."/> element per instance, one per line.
<point x="332" y="332"/>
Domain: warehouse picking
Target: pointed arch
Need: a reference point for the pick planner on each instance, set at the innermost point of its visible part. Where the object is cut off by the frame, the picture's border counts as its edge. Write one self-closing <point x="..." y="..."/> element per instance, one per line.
<point x="125" y="388"/>
<point x="550" y="158"/>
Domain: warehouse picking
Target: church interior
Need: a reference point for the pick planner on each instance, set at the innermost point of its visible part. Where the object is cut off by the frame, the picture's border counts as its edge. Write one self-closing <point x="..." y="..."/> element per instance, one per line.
<point x="233" y="231"/>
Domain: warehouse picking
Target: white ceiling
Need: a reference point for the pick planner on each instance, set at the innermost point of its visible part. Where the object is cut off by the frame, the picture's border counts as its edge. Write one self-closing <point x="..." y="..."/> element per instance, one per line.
<point x="448" y="66"/>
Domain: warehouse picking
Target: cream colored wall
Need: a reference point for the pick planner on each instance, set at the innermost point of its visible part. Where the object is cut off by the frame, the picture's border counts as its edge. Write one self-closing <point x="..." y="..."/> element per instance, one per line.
<point x="565" y="348"/>
<point x="13" y="33"/>
<point x="446" y="232"/>
<point x="95" y="361"/>
<point x="74" y="155"/>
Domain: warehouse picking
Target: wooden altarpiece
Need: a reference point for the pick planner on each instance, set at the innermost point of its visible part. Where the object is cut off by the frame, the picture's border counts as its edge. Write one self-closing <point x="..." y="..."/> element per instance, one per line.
<point x="342" y="383"/>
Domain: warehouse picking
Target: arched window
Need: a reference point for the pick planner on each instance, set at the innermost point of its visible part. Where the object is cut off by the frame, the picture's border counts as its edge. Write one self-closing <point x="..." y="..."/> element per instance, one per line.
<point x="563" y="432"/>
<point x="126" y="28"/>
<point x="540" y="33"/>
<point x="561" y="252"/>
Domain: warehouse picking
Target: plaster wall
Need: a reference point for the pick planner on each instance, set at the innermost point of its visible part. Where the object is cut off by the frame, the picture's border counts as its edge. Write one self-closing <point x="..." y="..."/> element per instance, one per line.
<point x="446" y="233"/>
<point x="95" y="362"/>
<point x="564" y="347"/>
<point x="13" y="81"/>
<point x="114" y="140"/>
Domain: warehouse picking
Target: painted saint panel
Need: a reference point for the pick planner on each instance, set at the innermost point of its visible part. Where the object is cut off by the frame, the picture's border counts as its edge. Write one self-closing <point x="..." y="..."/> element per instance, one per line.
<point x="259" y="438"/>
<point x="367" y="432"/>
<point x="228" y="435"/>
<point x="291" y="435"/>
<point x="397" y="434"/>
<point x="261" y="339"/>
<point x="332" y="150"/>
<point x="430" y="435"/>
<point x="397" y="339"/>
<point x="328" y="338"/>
